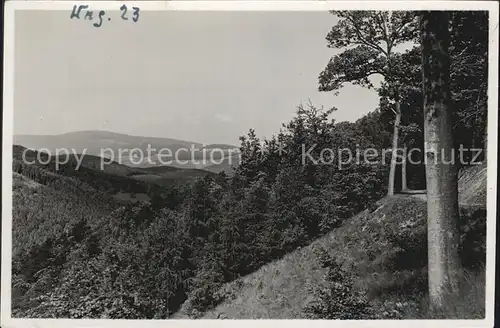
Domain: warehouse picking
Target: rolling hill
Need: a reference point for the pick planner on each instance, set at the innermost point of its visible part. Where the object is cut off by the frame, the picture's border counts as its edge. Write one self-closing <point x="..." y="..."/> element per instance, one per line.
<point x="94" y="141"/>
<point x="64" y="215"/>
<point x="126" y="183"/>
<point x="127" y="149"/>
<point x="227" y="165"/>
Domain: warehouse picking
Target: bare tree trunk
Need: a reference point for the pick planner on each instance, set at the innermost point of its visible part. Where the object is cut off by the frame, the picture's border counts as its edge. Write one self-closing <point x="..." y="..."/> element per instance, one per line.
<point x="395" y="137"/>
<point x="442" y="189"/>
<point x="404" y="185"/>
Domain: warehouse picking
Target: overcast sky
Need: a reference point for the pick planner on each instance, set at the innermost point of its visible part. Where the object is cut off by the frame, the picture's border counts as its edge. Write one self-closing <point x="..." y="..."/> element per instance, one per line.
<point x="199" y="76"/>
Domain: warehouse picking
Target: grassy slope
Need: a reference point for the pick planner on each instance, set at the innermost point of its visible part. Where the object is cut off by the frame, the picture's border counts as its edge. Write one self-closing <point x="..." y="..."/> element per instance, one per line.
<point x="472" y="185"/>
<point x="365" y="247"/>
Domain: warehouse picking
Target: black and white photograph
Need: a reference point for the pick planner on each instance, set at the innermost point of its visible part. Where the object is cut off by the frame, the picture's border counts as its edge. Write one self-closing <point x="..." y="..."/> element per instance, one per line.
<point x="248" y="160"/>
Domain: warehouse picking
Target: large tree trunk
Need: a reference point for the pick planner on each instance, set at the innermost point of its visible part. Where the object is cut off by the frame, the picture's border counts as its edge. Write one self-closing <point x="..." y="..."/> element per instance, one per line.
<point x="404" y="184"/>
<point x="395" y="137"/>
<point x="441" y="171"/>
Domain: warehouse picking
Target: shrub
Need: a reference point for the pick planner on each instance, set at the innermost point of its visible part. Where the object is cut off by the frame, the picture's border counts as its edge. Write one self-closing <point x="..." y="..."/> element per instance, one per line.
<point x="336" y="299"/>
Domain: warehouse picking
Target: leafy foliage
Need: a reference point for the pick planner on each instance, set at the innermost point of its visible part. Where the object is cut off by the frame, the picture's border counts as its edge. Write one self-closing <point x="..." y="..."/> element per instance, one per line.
<point x="218" y="230"/>
<point x="368" y="39"/>
<point x="338" y="299"/>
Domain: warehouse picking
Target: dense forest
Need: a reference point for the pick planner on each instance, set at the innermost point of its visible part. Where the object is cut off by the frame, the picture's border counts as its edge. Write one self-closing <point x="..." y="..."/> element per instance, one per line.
<point x="80" y="252"/>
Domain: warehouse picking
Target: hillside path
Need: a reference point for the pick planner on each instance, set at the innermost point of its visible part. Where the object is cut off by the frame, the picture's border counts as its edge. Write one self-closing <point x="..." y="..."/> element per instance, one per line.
<point x="423" y="197"/>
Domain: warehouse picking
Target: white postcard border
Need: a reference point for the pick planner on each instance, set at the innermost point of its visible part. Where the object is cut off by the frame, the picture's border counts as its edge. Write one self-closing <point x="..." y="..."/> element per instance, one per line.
<point x="12" y="6"/>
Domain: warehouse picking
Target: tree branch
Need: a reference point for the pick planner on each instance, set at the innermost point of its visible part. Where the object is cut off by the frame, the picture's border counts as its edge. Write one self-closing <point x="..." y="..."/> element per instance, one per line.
<point x="360" y="37"/>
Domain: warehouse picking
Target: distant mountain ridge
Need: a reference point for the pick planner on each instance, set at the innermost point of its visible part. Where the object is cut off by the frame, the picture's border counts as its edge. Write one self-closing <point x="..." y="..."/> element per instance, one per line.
<point x="118" y="146"/>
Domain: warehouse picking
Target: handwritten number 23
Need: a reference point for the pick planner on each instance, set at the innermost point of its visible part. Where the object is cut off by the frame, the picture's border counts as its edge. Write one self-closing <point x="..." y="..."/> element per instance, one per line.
<point x="135" y="13"/>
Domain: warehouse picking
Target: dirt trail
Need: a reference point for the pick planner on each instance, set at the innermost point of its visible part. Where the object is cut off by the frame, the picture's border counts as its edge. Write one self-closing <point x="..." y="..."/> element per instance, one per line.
<point x="419" y="196"/>
<point x="423" y="197"/>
